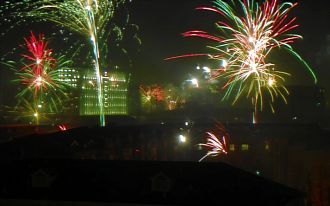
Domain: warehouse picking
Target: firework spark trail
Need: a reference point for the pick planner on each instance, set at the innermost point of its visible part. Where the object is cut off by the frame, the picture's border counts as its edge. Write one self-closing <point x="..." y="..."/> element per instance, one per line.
<point x="94" y="39"/>
<point x="82" y="19"/>
<point x="247" y="37"/>
<point x="216" y="146"/>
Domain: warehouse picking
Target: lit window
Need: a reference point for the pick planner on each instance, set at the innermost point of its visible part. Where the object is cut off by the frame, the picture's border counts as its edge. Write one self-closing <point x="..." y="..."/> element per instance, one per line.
<point x="245" y="147"/>
<point x="267" y="147"/>
<point x="232" y="147"/>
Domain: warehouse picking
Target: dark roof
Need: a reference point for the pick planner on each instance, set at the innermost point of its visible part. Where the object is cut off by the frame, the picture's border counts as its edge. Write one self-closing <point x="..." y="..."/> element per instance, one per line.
<point x="142" y="182"/>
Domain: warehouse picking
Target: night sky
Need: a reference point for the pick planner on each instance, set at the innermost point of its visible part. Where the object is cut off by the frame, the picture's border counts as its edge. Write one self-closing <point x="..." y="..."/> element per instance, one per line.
<point x="161" y="23"/>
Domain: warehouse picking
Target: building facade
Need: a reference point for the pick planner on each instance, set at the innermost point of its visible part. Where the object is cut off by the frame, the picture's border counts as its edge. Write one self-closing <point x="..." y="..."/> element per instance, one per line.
<point x="114" y="87"/>
<point x="69" y="76"/>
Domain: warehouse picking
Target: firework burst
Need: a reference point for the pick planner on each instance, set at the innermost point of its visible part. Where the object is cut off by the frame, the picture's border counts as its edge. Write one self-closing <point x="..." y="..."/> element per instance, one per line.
<point x="155" y="93"/>
<point x="29" y="112"/>
<point x="89" y="18"/>
<point x="92" y="19"/>
<point x="247" y="37"/>
<point x="213" y="144"/>
<point x="172" y="97"/>
<point x="38" y="54"/>
<point x="46" y="87"/>
<point x="41" y="87"/>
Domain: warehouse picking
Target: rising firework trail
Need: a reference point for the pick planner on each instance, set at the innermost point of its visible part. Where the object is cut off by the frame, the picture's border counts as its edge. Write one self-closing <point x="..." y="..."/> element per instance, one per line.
<point x="248" y="33"/>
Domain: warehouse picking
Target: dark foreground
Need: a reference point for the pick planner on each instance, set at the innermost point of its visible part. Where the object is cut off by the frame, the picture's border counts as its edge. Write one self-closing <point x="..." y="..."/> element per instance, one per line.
<point x="95" y="182"/>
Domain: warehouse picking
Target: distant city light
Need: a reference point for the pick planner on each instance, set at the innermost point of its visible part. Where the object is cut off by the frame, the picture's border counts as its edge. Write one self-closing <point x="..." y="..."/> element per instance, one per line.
<point x="206" y="69"/>
<point x="182" y="138"/>
<point x="194" y="82"/>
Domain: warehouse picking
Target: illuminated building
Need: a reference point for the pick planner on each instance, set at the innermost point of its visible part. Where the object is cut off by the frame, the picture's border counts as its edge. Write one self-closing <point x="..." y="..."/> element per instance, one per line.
<point x="69" y="76"/>
<point x="114" y="86"/>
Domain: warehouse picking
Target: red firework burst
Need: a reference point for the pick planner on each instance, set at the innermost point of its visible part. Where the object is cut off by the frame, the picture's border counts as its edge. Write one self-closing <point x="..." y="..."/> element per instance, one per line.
<point x="153" y="92"/>
<point x="38" y="54"/>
